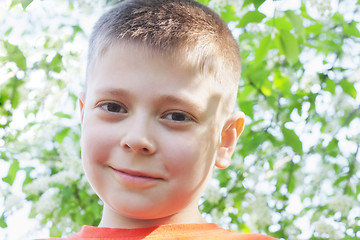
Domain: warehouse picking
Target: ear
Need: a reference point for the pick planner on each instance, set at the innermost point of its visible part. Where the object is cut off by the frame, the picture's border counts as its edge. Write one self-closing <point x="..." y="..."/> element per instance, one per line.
<point x="82" y="103"/>
<point x="230" y="134"/>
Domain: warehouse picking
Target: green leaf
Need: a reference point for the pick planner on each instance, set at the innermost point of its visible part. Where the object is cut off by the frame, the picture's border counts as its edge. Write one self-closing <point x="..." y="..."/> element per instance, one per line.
<point x="297" y="23"/>
<point x="16" y="95"/>
<point x="258" y="3"/>
<point x="289" y="46"/>
<point x="10" y="178"/>
<point x="28" y="178"/>
<point x="247" y="108"/>
<point x="330" y="86"/>
<point x="62" y="115"/>
<point x="247" y="2"/>
<point x="251" y="17"/>
<point x="245" y="93"/>
<point x="316" y="28"/>
<point x="3" y="223"/>
<point x="8" y="31"/>
<point x="76" y="29"/>
<point x="59" y="137"/>
<point x="348" y="88"/>
<point x="304" y="12"/>
<point x="56" y="63"/>
<point x="281" y="23"/>
<point x="351" y="30"/>
<point x="24" y="3"/>
<point x="256" y="74"/>
<point x="15" y="55"/>
<point x="244" y="228"/>
<point x="282" y="82"/>
<point x="228" y="14"/>
<point x="262" y="50"/>
<point x="339" y="180"/>
<point x="204" y="1"/>
<point x="291" y="184"/>
<point x="15" y="101"/>
<point x="291" y="139"/>
<point x="266" y="87"/>
<point x="338" y="18"/>
<point x="14" y="3"/>
<point x="332" y="148"/>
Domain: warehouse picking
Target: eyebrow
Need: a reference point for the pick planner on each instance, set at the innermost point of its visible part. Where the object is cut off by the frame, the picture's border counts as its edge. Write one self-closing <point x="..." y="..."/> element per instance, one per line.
<point x="181" y="100"/>
<point x="114" y="92"/>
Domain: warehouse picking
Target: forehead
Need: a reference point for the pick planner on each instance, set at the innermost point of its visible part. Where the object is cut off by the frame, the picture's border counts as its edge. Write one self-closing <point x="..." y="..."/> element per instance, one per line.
<point x="191" y="62"/>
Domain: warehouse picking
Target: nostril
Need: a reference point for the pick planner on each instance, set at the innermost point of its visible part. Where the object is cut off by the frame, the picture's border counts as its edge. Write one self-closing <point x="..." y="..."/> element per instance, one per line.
<point x="144" y="148"/>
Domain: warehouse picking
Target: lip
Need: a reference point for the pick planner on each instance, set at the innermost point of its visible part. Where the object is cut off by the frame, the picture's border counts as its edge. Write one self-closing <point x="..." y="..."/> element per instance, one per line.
<point x="136" y="178"/>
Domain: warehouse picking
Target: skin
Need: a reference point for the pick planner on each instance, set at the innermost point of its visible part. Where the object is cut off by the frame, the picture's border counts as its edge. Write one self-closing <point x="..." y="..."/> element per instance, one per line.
<point x="152" y="132"/>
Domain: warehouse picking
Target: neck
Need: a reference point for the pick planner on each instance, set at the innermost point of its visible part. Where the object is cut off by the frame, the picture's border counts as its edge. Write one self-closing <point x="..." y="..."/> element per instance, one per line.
<point x="112" y="219"/>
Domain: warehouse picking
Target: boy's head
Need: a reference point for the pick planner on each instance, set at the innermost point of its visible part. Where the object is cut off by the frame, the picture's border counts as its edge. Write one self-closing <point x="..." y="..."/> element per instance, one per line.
<point x="184" y="30"/>
<point x="156" y="113"/>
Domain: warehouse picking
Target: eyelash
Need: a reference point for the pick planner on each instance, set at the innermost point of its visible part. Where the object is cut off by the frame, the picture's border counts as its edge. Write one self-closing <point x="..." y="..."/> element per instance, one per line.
<point x="186" y="117"/>
<point x="103" y="106"/>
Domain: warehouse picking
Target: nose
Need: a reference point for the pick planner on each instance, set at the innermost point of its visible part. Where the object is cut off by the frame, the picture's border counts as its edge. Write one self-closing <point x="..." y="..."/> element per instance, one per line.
<point x="137" y="139"/>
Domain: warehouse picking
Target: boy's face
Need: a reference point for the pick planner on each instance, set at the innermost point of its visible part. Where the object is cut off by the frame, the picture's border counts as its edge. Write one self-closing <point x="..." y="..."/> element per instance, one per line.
<point x="150" y="134"/>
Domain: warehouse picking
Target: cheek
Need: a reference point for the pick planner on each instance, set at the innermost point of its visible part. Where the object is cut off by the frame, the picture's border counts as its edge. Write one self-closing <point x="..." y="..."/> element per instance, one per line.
<point x="189" y="155"/>
<point x="96" y="142"/>
<point x="96" y="146"/>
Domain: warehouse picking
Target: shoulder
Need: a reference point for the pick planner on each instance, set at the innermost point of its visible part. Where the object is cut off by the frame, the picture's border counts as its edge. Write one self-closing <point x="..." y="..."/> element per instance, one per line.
<point x="250" y="236"/>
<point x="166" y="232"/>
<point x="213" y="231"/>
<point x="226" y="234"/>
<point x="74" y="236"/>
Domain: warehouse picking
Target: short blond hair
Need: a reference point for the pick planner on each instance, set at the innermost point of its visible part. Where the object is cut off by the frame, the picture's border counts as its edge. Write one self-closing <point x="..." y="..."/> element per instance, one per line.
<point x="171" y="27"/>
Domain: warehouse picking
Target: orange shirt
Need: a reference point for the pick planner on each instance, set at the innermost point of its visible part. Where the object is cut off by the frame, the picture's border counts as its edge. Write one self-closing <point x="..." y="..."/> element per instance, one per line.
<point x="206" y="231"/>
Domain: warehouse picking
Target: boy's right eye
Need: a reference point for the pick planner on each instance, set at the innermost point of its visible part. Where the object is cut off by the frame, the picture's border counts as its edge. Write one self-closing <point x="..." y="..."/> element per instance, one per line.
<point x="113" y="107"/>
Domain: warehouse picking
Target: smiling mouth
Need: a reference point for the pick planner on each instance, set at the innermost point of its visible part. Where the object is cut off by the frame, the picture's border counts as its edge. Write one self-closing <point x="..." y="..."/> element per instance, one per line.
<point x="135" y="175"/>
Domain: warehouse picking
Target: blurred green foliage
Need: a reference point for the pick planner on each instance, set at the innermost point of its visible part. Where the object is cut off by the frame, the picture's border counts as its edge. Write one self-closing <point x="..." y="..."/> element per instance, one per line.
<point x="297" y="161"/>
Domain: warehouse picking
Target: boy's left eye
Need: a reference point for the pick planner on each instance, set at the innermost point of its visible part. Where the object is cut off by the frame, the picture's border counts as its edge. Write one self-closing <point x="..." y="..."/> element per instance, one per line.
<point x="178" y="117"/>
<point x="113" y="107"/>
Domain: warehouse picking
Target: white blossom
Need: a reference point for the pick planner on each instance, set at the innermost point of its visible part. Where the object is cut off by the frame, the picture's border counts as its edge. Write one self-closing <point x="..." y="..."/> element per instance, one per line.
<point x="308" y="80"/>
<point x="48" y="201"/>
<point x="4" y="190"/>
<point x="83" y="183"/>
<point x="229" y="201"/>
<point x="341" y="203"/>
<point x="323" y="8"/>
<point x="216" y="215"/>
<point x="259" y="212"/>
<point x="212" y="192"/>
<point x="217" y="5"/>
<point x="13" y="201"/>
<point x="65" y="177"/>
<point x="326" y="228"/>
<point x="38" y="186"/>
<point x="64" y="224"/>
<point x="220" y="218"/>
<point x="355" y="76"/>
<point x="69" y="156"/>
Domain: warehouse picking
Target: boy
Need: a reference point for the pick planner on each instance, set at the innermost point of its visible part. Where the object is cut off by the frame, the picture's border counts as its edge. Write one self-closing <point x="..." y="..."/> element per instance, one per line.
<point x="157" y="117"/>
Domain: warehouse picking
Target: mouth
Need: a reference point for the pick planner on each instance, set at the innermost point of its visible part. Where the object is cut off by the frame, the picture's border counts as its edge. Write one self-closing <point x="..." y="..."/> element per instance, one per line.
<point x="136" y="175"/>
